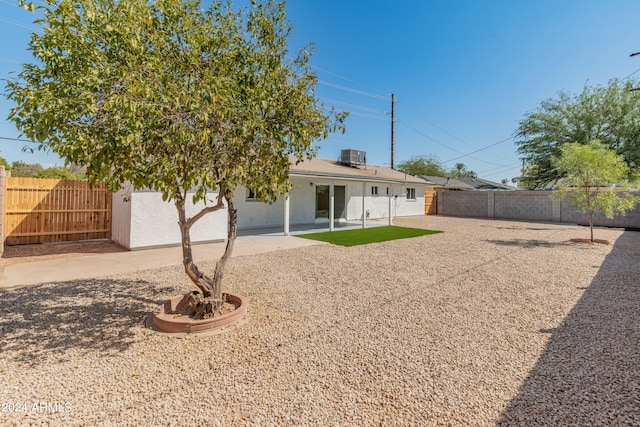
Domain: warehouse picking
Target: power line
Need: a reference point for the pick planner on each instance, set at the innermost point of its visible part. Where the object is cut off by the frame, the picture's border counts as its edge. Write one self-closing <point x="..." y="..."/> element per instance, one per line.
<point x="14" y="139"/>
<point x="18" y="24"/>
<point x="439" y="127"/>
<point x="343" y="78"/>
<point x="480" y="149"/>
<point x="356" y="91"/>
<point x="430" y="138"/>
<point x="346" y="104"/>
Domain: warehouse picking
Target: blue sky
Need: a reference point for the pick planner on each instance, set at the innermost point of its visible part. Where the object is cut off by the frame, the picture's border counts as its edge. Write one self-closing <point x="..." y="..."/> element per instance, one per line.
<point x="463" y="72"/>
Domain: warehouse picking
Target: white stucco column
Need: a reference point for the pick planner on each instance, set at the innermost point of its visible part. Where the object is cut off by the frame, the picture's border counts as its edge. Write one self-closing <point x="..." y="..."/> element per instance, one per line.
<point x="390" y="211"/>
<point x="364" y="205"/>
<point x="286" y="213"/>
<point x="331" y="207"/>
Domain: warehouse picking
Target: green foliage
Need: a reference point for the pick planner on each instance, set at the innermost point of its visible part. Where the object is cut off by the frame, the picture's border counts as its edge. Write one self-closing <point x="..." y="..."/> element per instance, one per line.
<point x="610" y="114"/>
<point x="589" y="174"/>
<point x="363" y="236"/>
<point x="460" y="170"/>
<point x="35" y="170"/>
<point x="20" y="168"/>
<point x="422" y="165"/>
<point x="3" y="162"/>
<point x="170" y="97"/>
<point x="59" y="172"/>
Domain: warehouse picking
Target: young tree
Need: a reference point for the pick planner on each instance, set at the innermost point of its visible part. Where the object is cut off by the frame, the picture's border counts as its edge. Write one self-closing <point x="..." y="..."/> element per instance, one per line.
<point x="171" y="97"/>
<point x="610" y="114"/>
<point x="589" y="172"/>
<point x="422" y="165"/>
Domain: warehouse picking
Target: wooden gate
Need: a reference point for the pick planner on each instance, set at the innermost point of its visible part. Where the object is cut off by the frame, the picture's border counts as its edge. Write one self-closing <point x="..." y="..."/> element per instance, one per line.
<point x="54" y="210"/>
<point x="430" y="203"/>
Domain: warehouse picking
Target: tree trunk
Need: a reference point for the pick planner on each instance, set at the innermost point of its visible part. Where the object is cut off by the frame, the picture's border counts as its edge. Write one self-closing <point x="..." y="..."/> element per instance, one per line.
<point x="231" y="238"/>
<point x="211" y="301"/>
<point x="591" y="224"/>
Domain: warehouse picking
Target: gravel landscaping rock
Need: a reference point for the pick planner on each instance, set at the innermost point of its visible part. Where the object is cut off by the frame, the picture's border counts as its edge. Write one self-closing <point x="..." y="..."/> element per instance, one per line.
<point x="489" y="323"/>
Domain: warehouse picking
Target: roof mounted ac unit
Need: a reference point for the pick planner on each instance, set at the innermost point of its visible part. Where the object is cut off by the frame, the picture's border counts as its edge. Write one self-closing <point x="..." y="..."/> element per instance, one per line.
<point x="353" y="157"/>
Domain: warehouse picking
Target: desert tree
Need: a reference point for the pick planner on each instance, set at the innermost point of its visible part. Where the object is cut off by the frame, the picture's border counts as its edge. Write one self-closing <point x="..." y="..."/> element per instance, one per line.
<point x="422" y="165"/>
<point x="592" y="177"/>
<point x="169" y="96"/>
<point x="610" y="114"/>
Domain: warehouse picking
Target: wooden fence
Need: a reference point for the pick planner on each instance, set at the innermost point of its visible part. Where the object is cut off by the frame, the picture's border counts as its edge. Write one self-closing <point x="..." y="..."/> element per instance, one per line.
<point x="53" y="210"/>
<point x="430" y="203"/>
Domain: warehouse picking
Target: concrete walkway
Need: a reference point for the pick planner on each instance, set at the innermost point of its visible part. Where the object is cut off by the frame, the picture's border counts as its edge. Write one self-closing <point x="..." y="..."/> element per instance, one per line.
<point x="96" y="265"/>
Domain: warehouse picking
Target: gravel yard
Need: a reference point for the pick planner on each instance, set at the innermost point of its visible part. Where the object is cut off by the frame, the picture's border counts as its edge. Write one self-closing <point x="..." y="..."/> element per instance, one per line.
<point x="489" y="323"/>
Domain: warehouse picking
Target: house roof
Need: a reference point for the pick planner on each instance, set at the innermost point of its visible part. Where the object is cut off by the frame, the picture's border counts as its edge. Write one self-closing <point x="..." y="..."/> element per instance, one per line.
<point x="464" y="183"/>
<point x="331" y="169"/>
<point x="440" y="181"/>
<point x="483" y="184"/>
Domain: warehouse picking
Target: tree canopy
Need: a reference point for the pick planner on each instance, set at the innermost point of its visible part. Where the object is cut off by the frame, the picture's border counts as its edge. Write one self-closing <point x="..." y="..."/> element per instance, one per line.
<point x="460" y="170"/>
<point x="610" y="114"/>
<point x="588" y="173"/>
<point x="169" y="96"/>
<point x="422" y="165"/>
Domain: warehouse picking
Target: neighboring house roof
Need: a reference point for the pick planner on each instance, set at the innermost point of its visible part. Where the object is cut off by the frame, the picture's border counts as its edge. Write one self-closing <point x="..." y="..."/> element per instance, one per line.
<point x="325" y="168"/>
<point x="483" y="184"/>
<point x="440" y="181"/>
<point x="464" y="183"/>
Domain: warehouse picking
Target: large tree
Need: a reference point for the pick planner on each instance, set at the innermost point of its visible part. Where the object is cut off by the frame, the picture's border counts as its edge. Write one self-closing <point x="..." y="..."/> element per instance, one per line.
<point x="610" y="114"/>
<point x="422" y="165"/>
<point x="589" y="172"/>
<point x="169" y="96"/>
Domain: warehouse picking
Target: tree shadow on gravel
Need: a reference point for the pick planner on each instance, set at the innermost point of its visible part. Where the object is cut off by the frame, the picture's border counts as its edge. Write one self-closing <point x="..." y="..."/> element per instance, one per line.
<point x="589" y="373"/>
<point x="45" y="321"/>
<point x="528" y="243"/>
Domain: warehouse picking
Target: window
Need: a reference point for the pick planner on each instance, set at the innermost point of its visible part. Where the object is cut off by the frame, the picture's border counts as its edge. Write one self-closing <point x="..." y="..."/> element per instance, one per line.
<point x="374" y="190"/>
<point x="411" y="193"/>
<point x="387" y="191"/>
<point x="251" y="195"/>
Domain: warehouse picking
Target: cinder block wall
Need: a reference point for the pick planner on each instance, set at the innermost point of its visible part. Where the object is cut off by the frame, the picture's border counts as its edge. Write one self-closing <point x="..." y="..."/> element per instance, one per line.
<point x="462" y="203"/>
<point x="523" y="205"/>
<point x="531" y="205"/>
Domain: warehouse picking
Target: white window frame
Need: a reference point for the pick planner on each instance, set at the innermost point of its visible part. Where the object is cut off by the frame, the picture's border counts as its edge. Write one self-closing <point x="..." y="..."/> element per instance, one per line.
<point x="250" y="195"/>
<point x="374" y="190"/>
<point x="411" y="193"/>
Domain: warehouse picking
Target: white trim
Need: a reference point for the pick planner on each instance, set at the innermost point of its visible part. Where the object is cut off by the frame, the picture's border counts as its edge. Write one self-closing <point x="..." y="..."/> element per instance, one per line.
<point x="287" y="206"/>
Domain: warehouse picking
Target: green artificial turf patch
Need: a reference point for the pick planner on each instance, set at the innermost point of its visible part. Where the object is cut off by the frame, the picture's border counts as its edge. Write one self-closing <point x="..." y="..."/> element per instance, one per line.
<point x="362" y="236"/>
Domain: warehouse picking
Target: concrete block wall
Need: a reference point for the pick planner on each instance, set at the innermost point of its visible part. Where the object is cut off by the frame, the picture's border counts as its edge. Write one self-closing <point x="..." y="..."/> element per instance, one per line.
<point x="463" y="203"/>
<point x="531" y="205"/>
<point x="523" y="205"/>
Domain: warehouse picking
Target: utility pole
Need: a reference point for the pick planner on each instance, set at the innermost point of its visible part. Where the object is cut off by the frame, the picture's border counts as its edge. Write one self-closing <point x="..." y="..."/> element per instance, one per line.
<point x="393" y="101"/>
<point x="634" y="88"/>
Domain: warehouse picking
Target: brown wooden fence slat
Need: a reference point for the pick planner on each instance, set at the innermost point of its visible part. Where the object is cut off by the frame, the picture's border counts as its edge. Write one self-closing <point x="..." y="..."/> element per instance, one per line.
<point x="52" y="210"/>
<point x="430" y="202"/>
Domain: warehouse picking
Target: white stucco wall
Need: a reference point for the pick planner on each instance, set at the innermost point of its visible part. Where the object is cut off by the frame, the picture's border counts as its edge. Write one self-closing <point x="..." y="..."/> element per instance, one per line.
<point x="406" y="207"/>
<point x="154" y="222"/>
<point x="146" y="221"/>
<point x="303" y="201"/>
<point x="302" y="206"/>
<point x="253" y="213"/>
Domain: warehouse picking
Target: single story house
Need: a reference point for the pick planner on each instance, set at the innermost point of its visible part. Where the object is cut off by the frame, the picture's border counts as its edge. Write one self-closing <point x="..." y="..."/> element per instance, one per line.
<point x="324" y="191"/>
